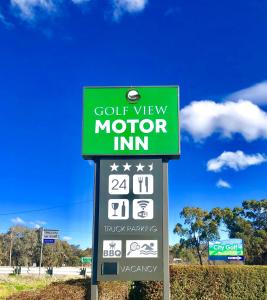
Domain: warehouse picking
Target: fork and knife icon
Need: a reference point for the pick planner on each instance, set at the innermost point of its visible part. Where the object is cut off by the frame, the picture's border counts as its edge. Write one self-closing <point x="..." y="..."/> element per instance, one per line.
<point x="142" y="179"/>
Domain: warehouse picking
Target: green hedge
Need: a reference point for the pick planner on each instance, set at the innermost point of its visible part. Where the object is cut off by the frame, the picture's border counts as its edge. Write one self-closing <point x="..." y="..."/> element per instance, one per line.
<point x="114" y="290"/>
<point x="230" y="282"/>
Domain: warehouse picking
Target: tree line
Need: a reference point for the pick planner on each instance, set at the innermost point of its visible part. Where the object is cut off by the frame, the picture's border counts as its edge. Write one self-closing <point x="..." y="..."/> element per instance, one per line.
<point x="248" y="222"/>
<point x="21" y="246"/>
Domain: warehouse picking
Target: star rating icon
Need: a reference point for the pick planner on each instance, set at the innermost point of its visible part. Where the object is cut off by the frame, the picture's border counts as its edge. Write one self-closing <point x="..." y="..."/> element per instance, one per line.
<point x="150" y="167"/>
<point x="127" y="167"/>
<point x="140" y="167"/>
<point x="114" y="167"/>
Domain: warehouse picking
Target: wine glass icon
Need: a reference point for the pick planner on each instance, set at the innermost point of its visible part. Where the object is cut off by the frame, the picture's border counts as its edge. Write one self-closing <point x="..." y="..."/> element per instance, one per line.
<point x="115" y="206"/>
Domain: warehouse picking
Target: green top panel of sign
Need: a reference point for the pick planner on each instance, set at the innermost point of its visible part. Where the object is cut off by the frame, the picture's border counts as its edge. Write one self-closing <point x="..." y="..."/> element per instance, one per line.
<point x="131" y="121"/>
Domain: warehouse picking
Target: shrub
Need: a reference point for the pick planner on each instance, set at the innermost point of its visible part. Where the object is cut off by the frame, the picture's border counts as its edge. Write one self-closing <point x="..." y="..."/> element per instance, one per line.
<point x="113" y="290"/>
<point x="228" y="282"/>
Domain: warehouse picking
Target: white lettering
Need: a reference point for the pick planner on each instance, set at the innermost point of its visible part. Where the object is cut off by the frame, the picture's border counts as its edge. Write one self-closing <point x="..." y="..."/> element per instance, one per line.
<point x="137" y="109"/>
<point x="134" y="269"/>
<point x="150" y="125"/>
<point x="100" y="109"/>
<point x="132" y="124"/>
<point x="161" y="125"/>
<point x="116" y="143"/>
<point x="116" y="129"/>
<point x="161" y="109"/>
<point x="128" y="143"/>
<point x="105" y="126"/>
<point x="143" y="143"/>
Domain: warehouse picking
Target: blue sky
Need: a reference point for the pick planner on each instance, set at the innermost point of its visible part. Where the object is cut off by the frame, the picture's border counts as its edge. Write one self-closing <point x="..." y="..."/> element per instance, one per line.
<point x="49" y="49"/>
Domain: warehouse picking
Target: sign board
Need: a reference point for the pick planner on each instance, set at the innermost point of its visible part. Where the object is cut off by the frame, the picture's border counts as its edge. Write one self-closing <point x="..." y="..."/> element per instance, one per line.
<point x="49" y="241"/>
<point x="131" y="121"/>
<point x="231" y="249"/>
<point x="130" y="219"/>
<point x="86" y="260"/>
<point x="50" y="234"/>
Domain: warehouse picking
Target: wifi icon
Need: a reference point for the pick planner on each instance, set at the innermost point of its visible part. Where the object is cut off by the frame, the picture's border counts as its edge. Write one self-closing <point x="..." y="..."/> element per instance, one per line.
<point x="143" y="203"/>
<point x="143" y="209"/>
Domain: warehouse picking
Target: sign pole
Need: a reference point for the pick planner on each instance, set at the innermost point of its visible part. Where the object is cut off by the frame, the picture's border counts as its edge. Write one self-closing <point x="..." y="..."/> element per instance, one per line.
<point x="94" y="286"/>
<point x="41" y="254"/>
<point x="166" y="273"/>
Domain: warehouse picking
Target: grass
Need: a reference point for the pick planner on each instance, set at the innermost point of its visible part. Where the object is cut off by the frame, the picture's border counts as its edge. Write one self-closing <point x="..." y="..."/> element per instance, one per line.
<point x="13" y="284"/>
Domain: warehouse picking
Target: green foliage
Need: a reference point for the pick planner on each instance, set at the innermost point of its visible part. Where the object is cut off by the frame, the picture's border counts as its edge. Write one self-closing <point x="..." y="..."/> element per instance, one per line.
<point x="185" y="254"/>
<point x="14" y="284"/>
<point x="114" y="290"/>
<point x="199" y="229"/>
<point x="26" y="245"/>
<point x="248" y="223"/>
<point x="229" y="282"/>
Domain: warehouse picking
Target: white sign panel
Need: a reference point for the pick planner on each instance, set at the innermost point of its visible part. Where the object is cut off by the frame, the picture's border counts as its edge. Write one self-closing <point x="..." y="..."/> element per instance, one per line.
<point x="111" y="248"/>
<point x="143" y="184"/>
<point x="118" y="184"/>
<point x="142" y="248"/>
<point x="143" y="209"/>
<point x="50" y="234"/>
<point x="118" y="209"/>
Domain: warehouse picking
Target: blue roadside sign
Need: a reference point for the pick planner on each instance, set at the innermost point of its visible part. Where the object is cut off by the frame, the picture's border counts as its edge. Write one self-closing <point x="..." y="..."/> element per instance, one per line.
<point x="49" y="241"/>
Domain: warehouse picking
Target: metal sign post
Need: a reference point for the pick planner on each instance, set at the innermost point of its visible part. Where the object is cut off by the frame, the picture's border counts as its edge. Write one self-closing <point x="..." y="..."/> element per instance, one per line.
<point x="48" y="236"/>
<point x="166" y="273"/>
<point x="41" y="252"/>
<point x="94" y="287"/>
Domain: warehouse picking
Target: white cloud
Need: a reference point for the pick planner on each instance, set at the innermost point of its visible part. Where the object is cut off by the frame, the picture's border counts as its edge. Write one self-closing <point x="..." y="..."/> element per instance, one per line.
<point x="130" y="6"/>
<point x="256" y="93"/>
<point x="203" y="118"/>
<point x="17" y="220"/>
<point x="67" y="238"/>
<point x="223" y="184"/>
<point x="235" y="160"/>
<point x="37" y="224"/>
<point x="27" y="8"/>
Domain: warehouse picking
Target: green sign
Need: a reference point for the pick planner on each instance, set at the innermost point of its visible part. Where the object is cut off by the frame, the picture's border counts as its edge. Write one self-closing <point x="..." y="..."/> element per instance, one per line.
<point x="86" y="260"/>
<point x="231" y="249"/>
<point x="130" y="121"/>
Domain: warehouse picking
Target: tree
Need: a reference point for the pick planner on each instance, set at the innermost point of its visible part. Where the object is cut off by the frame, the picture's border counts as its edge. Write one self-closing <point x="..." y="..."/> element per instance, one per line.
<point x="248" y="223"/>
<point x="26" y="246"/>
<point x="4" y="249"/>
<point x="186" y="255"/>
<point x="199" y="229"/>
